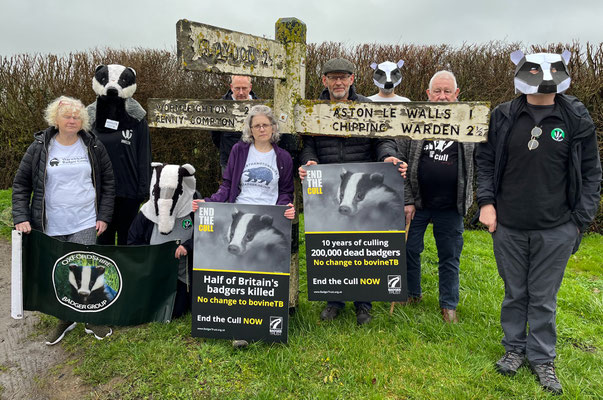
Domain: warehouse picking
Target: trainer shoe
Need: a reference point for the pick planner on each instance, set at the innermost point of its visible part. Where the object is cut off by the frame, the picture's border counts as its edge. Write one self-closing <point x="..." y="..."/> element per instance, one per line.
<point x="510" y="363"/>
<point x="547" y="377"/>
<point x="363" y="315"/>
<point x="100" y="331"/>
<point x="240" y="344"/>
<point x="329" y="313"/>
<point x="59" y="332"/>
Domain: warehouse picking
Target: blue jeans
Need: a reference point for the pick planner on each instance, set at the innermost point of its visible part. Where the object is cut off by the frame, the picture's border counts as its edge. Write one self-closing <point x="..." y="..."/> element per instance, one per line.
<point x="448" y="233"/>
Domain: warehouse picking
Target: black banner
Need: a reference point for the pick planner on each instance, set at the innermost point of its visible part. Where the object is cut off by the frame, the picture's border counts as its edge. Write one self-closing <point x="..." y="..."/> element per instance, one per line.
<point x="103" y="285"/>
<point x="241" y="272"/>
<point x="355" y="237"/>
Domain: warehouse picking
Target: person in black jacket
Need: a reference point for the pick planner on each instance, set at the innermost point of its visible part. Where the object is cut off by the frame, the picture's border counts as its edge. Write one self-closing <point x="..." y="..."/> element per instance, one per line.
<point x="70" y="175"/>
<point x="119" y="122"/>
<point x="240" y="90"/>
<point x="538" y="189"/>
<point x="338" y="79"/>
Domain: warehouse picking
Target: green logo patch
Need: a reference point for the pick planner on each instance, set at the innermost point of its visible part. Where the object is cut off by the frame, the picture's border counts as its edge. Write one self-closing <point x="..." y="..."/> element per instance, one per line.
<point x="557" y="134"/>
<point x="187" y="223"/>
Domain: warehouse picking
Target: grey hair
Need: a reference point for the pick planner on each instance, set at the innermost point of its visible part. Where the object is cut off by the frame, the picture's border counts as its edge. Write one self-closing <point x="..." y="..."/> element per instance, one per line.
<point x="443" y="73"/>
<point x="266" y="111"/>
<point x="65" y="102"/>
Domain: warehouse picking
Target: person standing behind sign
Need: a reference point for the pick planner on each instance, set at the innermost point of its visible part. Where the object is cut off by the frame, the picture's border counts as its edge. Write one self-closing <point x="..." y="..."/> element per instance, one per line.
<point x="70" y="176"/>
<point x="240" y="90"/>
<point x="338" y="79"/>
<point x="538" y="188"/>
<point x="386" y="77"/>
<point x="439" y="189"/>
<point x="256" y="154"/>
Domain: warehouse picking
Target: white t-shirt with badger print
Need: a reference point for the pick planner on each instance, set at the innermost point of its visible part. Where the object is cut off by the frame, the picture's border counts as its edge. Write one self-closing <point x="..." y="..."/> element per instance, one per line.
<point x="259" y="181"/>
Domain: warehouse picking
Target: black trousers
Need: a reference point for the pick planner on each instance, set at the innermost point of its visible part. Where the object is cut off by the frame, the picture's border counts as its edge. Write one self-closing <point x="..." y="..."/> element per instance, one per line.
<point x="124" y="212"/>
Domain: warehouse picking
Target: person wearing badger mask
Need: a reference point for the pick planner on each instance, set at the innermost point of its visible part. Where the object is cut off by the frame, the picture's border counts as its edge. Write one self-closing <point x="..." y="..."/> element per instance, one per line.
<point x="539" y="181"/>
<point x="166" y="216"/>
<point x="119" y="122"/>
<point x="386" y="77"/>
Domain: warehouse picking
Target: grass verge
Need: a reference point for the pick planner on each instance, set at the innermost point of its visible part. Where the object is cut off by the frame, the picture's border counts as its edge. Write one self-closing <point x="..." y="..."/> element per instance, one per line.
<point x="409" y="355"/>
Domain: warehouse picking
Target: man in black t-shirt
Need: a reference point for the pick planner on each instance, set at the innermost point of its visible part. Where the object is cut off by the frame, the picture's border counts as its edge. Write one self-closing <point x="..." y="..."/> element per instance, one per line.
<point x="539" y="182"/>
<point x="439" y="189"/>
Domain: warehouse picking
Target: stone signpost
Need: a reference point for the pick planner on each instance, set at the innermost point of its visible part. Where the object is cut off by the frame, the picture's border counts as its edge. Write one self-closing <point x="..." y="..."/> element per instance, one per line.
<point x="207" y="48"/>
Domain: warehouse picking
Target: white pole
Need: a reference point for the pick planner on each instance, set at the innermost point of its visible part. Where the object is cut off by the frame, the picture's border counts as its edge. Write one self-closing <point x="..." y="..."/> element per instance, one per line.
<point x="16" y="287"/>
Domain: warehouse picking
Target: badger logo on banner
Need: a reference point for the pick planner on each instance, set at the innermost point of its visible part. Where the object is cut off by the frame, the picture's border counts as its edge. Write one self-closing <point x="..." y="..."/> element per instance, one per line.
<point x="86" y="281"/>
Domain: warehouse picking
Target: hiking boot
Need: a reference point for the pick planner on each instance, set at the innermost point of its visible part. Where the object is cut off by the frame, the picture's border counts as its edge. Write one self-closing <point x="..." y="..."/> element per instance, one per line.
<point x="363" y="315"/>
<point x="59" y="332"/>
<point x="100" y="331"/>
<point x="240" y="344"/>
<point x="510" y="363"/>
<point x="450" y="316"/>
<point x="329" y="313"/>
<point x="547" y="377"/>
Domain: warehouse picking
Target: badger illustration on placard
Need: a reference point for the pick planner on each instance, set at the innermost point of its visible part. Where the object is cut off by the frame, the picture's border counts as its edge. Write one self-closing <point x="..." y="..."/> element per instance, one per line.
<point x="256" y="242"/>
<point x="365" y="198"/>
<point x="88" y="285"/>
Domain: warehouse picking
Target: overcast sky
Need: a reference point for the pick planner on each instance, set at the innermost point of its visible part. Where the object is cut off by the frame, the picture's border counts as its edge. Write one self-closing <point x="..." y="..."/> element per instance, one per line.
<point x="62" y="26"/>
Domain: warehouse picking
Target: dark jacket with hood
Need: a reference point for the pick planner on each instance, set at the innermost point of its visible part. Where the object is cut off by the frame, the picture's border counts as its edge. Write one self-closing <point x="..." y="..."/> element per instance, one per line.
<point x="31" y="177"/>
<point x="333" y="150"/>
<point x="584" y="168"/>
<point x="129" y="148"/>
<point x="225" y="140"/>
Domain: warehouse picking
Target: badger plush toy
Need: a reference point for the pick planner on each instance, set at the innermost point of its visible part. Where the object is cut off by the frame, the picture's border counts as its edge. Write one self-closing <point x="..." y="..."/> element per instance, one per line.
<point x="119" y="122"/>
<point x="541" y="72"/>
<point x="386" y="77"/>
<point x="168" y="216"/>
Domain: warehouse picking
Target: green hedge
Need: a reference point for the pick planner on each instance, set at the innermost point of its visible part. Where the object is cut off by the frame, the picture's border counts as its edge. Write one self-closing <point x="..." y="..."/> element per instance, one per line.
<point x="484" y="73"/>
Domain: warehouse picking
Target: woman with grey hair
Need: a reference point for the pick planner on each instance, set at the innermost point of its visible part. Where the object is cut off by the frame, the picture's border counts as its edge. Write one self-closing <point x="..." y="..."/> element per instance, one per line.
<point x="268" y="169"/>
<point x="71" y="178"/>
<point x="259" y="158"/>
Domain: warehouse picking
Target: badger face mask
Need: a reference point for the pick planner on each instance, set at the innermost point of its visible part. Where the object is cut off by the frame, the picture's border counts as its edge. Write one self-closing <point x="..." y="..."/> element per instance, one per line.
<point x="387" y="75"/>
<point x="541" y="73"/>
<point x="172" y="189"/>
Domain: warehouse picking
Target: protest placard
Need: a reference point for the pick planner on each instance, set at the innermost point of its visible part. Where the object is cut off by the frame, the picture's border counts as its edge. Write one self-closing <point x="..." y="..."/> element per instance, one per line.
<point x="354" y="224"/>
<point x="241" y="272"/>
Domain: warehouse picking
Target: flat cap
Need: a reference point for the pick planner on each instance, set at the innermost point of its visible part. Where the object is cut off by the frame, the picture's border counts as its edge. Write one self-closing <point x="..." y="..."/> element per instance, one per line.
<point x="338" y="65"/>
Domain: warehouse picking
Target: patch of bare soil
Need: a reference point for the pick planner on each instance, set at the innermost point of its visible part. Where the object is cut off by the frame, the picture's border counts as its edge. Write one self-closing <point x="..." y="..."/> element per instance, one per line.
<point x="28" y="368"/>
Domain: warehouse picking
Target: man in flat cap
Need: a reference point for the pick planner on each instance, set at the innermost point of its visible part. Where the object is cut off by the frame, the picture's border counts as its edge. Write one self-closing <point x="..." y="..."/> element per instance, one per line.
<point x="338" y="79"/>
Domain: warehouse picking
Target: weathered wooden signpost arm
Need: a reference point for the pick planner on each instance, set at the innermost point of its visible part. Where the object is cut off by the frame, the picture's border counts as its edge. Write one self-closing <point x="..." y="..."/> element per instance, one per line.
<point x="458" y="121"/>
<point x="208" y="48"/>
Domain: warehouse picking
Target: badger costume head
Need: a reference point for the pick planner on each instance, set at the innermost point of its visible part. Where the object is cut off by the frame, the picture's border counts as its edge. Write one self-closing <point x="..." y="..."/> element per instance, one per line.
<point x="387" y="75"/>
<point x="114" y="80"/>
<point x="114" y="108"/>
<point x="541" y="72"/>
<point x="172" y="189"/>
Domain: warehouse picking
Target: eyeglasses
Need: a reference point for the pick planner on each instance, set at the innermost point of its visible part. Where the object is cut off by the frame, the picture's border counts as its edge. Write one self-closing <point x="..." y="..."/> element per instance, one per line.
<point x="335" y="78"/>
<point x="260" y="127"/>
<point x="533" y="143"/>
